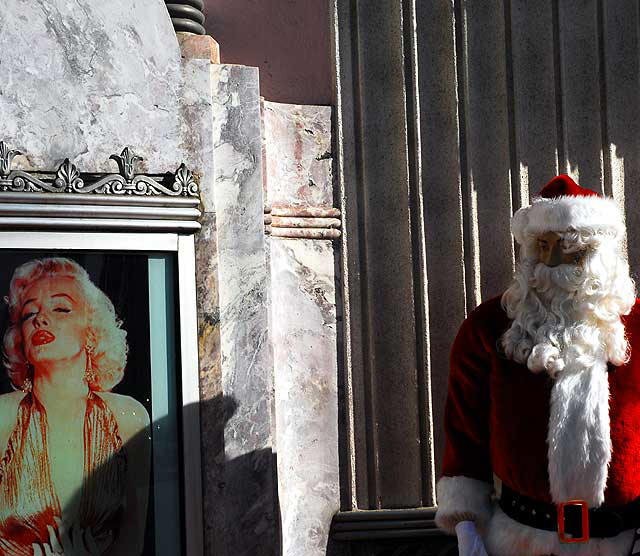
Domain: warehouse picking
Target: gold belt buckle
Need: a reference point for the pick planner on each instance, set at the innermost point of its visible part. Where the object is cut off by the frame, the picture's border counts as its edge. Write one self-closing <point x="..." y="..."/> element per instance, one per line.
<point x="585" y="521"/>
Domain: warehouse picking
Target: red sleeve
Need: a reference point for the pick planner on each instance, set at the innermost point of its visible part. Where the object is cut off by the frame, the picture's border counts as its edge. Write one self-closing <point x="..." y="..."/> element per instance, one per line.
<point x="464" y="490"/>
<point x="467" y="409"/>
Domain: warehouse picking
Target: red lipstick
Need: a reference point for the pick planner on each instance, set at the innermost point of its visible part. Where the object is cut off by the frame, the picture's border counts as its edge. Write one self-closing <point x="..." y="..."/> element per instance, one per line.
<point x="42" y="337"/>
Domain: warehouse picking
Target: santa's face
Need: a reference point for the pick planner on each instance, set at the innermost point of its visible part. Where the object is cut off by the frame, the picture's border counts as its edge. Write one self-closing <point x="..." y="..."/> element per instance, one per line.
<point x="552" y="250"/>
<point x="54" y="320"/>
<point x="566" y="301"/>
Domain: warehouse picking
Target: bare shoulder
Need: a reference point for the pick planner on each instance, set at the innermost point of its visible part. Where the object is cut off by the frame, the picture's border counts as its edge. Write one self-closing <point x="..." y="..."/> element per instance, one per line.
<point x="8" y="415"/>
<point x="131" y="415"/>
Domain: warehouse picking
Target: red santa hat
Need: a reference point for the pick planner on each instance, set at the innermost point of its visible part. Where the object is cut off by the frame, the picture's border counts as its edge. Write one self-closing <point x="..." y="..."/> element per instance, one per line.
<point x="563" y="205"/>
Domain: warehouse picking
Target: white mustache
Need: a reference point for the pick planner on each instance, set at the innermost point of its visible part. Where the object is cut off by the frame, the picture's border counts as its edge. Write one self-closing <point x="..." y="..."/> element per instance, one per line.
<point x="567" y="277"/>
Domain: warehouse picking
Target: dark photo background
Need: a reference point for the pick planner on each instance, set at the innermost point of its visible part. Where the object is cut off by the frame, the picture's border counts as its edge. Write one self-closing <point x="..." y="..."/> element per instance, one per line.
<point x="124" y="279"/>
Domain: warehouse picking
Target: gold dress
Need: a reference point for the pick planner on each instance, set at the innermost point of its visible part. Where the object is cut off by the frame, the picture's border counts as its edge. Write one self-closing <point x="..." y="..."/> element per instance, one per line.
<point x="28" y="502"/>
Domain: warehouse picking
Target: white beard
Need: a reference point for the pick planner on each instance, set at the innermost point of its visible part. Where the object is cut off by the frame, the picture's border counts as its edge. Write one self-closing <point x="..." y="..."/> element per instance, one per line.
<point x="579" y="439"/>
<point x="566" y="322"/>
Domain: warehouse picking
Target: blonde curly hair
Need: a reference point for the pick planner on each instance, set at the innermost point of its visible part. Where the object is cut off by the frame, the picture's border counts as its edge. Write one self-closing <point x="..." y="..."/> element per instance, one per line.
<point x="104" y="333"/>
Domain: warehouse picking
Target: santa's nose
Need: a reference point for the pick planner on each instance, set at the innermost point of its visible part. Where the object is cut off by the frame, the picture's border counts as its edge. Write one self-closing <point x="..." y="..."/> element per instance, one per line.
<point x="555" y="256"/>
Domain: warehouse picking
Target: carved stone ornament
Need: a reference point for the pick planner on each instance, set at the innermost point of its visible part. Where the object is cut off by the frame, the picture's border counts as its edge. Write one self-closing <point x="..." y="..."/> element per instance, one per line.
<point x="68" y="179"/>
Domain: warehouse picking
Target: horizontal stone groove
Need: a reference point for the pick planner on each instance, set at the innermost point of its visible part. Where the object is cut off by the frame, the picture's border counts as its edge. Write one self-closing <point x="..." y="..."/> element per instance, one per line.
<point x="384" y="524"/>
<point x="303" y="233"/>
<point x="31" y="197"/>
<point x="304" y="222"/>
<point x="102" y="224"/>
<point x="49" y="210"/>
<point x="313" y="212"/>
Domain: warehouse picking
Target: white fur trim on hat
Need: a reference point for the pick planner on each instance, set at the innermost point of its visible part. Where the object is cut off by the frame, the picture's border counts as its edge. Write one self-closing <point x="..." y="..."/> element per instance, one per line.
<point x="562" y="213"/>
<point x="462" y="499"/>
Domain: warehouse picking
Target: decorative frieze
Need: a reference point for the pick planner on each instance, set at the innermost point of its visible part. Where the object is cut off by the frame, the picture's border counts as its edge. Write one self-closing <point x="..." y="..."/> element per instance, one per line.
<point x="68" y="178"/>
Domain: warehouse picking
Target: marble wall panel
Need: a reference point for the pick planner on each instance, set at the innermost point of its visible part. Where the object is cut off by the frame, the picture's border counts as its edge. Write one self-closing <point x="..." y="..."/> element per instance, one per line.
<point x="304" y="330"/>
<point x="82" y="80"/>
<point x="250" y="525"/>
<point x="302" y="134"/>
<point x="304" y="341"/>
<point x="196" y="118"/>
<point x="214" y="408"/>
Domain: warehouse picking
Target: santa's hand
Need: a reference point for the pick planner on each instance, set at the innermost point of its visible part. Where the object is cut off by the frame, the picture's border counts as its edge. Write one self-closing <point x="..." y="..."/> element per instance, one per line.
<point x="469" y="541"/>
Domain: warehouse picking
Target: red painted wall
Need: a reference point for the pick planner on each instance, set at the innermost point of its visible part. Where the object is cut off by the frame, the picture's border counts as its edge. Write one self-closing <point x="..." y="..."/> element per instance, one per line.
<point x="287" y="39"/>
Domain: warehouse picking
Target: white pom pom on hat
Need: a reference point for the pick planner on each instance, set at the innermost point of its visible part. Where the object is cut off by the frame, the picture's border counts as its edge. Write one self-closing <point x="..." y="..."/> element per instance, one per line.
<point x="563" y="205"/>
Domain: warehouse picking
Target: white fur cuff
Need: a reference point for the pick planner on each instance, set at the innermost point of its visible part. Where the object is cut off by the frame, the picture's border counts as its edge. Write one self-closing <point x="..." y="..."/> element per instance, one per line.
<point x="462" y="499"/>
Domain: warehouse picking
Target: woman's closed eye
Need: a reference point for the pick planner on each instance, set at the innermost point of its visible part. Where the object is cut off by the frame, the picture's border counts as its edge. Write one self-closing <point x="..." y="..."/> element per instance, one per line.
<point x="62" y="310"/>
<point x="27" y="316"/>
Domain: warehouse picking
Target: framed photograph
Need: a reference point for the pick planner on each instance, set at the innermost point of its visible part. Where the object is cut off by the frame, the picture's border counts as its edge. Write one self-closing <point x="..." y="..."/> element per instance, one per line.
<point x="91" y="397"/>
<point x="99" y="426"/>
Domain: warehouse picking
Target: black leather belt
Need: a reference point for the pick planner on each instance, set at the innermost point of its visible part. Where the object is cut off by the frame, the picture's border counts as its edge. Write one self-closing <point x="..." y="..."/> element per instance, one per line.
<point x="573" y="520"/>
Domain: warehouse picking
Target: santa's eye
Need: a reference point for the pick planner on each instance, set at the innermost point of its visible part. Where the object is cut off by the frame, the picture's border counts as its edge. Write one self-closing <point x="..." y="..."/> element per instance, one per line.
<point x="577" y="257"/>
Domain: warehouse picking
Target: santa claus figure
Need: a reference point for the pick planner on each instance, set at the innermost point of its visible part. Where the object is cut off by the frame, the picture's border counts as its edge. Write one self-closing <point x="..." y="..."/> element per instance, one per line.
<point x="542" y="418"/>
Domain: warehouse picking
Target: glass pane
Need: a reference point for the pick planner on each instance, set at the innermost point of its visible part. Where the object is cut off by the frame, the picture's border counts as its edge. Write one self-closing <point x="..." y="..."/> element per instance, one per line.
<point x="164" y="411"/>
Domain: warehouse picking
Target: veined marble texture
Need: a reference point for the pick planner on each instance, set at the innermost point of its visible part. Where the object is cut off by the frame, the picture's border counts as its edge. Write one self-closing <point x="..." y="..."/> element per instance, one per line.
<point x="304" y="334"/>
<point x="214" y="408"/>
<point x="298" y="154"/>
<point x="196" y="125"/>
<point x="83" y="79"/>
<point x="246" y="361"/>
<point x="305" y="357"/>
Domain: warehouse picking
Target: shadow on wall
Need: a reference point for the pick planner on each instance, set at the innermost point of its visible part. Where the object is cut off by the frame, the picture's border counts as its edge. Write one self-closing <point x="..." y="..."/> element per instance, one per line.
<point x="241" y="512"/>
<point x="244" y="522"/>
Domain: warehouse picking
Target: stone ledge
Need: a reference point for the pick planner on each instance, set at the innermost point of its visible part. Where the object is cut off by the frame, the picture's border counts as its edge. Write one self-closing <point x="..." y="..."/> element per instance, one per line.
<point x="199" y="47"/>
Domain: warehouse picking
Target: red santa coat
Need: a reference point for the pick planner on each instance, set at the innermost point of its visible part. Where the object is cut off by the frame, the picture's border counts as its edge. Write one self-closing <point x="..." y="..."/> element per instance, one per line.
<point x="497" y="422"/>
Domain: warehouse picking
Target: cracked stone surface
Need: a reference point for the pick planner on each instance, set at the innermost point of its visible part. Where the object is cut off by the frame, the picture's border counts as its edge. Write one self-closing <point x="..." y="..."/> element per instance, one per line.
<point x="83" y="79"/>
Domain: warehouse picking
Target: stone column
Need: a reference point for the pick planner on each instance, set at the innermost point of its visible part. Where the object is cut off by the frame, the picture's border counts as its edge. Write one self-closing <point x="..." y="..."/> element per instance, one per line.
<point x="235" y="355"/>
<point x="302" y="224"/>
<point x="245" y="515"/>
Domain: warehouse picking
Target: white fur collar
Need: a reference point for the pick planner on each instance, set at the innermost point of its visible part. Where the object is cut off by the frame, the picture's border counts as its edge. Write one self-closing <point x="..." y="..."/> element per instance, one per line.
<point x="579" y="439"/>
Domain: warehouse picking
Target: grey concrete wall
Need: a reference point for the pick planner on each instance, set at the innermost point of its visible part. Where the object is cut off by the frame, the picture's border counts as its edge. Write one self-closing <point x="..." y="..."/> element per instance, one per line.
<point x="450" y="116"/>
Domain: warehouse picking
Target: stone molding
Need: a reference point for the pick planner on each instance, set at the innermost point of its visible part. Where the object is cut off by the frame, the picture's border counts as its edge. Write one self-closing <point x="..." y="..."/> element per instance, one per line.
<point x="70" y="200"/>
<point x="199" y="47"/>
<point x="303" y="222"/>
